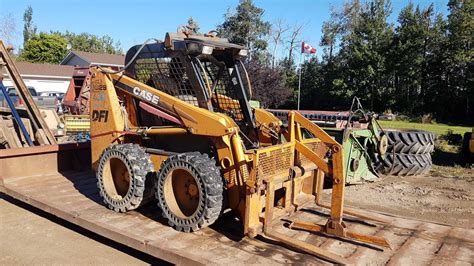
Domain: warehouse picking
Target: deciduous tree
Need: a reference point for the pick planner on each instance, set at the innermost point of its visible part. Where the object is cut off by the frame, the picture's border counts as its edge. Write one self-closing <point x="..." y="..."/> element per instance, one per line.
<point x="87" y="42"/>
<point x="8" y="31"/>
<point x="268" y="86"/>
<point x="44" y="48"/>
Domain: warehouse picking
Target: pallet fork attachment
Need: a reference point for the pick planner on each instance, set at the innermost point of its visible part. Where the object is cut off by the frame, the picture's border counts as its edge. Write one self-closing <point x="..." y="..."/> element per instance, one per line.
<point x="335" y="225"/>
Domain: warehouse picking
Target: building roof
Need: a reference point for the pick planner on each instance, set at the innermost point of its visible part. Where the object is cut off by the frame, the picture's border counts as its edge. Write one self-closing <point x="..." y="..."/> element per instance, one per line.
<point x="95" y="58"/>
<point x="32" y="69"/>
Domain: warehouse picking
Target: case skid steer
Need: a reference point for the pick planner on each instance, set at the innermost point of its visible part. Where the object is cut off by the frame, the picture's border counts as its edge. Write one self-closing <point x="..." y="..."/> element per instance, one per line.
<point x="176" y="125"/>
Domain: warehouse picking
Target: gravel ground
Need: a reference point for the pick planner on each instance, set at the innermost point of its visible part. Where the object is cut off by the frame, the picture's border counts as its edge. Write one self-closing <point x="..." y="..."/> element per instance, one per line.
<point x="32" y="237"/>
<point x="445" y="195"/>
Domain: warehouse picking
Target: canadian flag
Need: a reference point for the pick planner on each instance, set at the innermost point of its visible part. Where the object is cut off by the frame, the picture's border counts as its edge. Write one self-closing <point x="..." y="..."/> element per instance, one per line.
<point x="307" y="49"/>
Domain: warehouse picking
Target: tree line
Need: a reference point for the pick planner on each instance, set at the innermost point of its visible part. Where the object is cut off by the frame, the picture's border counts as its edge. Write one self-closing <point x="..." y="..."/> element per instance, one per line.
<point x="420" y="65"/>
<point x="52" y="47"/>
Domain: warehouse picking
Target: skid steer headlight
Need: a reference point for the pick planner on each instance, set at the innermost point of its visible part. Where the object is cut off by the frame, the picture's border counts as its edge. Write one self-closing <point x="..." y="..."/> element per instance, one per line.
<point x="197" y="48"/>
<point x="243" y="52"/>
<point x="194" y="48"/>
<point x="207" y="50"/>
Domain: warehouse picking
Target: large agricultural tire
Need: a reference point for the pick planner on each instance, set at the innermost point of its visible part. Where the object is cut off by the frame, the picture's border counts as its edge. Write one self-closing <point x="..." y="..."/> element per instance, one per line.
<point x="405" y="164"/>
<point x="125" y="177"/>
<point x="410" y="141"/>
<point x="190" y="191"/>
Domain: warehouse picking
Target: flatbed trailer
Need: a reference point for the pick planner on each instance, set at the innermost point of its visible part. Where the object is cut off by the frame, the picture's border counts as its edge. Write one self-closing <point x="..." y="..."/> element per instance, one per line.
<point x="56" y="179"/>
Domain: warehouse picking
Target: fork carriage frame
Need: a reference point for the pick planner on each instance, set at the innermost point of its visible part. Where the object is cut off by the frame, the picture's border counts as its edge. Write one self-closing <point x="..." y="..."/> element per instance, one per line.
<point x="310" y="174"/>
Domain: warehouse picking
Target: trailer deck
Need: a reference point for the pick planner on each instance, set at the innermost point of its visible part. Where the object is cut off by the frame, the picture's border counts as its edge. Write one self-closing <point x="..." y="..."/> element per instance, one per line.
<point x="73" y="196"/>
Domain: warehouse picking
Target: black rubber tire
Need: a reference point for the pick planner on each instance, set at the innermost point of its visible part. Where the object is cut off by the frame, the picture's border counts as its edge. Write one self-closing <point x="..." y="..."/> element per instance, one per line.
<point x="141" y="173"/>
<point x="410" y="141"/>
<point x="210" y="182"/>
<point x="405" y="164"/>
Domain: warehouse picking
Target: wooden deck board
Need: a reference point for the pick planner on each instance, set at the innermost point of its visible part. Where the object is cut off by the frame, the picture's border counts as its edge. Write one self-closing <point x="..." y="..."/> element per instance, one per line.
<point x="75" y="198"/>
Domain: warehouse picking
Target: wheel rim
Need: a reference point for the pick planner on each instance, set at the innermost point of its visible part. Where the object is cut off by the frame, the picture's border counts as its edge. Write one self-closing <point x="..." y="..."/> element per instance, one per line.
<point x="182" y="193"/>
<point x="383" y="144"/>
<point x="116" y="176"/>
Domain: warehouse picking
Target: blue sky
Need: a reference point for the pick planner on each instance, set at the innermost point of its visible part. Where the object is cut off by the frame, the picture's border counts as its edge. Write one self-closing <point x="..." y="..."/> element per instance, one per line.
<point x="132" y="22"/>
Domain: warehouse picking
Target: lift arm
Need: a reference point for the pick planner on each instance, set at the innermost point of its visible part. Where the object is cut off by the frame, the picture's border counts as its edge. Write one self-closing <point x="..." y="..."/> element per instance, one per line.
<point x="196" y="120"/>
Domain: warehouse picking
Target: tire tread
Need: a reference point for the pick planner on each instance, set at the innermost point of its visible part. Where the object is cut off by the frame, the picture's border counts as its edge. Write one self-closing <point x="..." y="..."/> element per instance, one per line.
<point x="142" y="176"/>
<point x="206" y="170"/>
<point x="410" y="142"/>
<point x="405" y="164"/>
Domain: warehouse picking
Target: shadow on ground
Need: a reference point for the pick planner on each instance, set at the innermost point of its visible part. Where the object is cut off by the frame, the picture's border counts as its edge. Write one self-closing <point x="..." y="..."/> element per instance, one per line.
<point x="445" y="158"/>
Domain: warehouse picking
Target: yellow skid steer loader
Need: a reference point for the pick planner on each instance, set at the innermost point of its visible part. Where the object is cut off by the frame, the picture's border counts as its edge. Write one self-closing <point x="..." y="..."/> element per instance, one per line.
<point x="176" y="125"/>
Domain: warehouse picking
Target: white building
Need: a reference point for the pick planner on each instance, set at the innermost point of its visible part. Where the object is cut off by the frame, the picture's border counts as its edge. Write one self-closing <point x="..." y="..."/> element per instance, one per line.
<point x="48" y="77"/>
<point x="43" y="77"/>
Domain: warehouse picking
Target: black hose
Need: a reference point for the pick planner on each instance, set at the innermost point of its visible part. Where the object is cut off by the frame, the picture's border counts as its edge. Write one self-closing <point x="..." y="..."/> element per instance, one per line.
<point x="109" y="71"/>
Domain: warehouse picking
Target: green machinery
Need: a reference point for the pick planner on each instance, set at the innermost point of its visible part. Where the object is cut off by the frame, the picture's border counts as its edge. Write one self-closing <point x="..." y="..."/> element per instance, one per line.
<point x="363" y="140"/>
<point x="363" y="148"/>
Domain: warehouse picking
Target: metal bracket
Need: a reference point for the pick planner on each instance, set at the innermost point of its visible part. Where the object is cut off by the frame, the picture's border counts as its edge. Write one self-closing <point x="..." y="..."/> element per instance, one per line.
<point x="340" y="230"/>
<point x="298" y="244"/>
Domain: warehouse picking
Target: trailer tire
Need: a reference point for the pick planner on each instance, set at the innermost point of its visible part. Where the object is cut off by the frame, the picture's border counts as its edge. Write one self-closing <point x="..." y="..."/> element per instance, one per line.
<point x="410" y="141"/>
<point x="125" y="177"/>
<point x="190" y="191"/>
<point x="405" y="164"/>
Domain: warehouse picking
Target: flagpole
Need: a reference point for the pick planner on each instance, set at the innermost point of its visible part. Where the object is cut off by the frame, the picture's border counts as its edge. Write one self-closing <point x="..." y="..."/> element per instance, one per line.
<point x="299" y="83"/>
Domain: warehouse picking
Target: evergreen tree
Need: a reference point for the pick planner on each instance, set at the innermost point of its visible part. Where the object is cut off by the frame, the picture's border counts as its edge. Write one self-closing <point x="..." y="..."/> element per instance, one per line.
<point x="193" y="25"/>
<point x="29" y="29"/>
<point x="436" y="91"/>
<point x="411" y="46"/>
<point x="363" y="54"/>
<point x="458" y="61"/>
<point x="245" y="26"/>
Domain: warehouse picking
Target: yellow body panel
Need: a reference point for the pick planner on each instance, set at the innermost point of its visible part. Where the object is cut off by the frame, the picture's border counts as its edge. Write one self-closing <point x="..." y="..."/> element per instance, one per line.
<point x="107" y="120"/>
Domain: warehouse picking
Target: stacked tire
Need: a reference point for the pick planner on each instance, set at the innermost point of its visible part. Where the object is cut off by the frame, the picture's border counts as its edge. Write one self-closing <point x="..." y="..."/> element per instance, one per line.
<point x="408" y="153"/>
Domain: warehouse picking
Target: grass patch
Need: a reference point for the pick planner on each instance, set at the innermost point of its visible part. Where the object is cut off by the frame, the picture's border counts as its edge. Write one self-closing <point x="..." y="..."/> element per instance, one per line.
<point x="453" y="172"/>
<point x="438" y="129"/>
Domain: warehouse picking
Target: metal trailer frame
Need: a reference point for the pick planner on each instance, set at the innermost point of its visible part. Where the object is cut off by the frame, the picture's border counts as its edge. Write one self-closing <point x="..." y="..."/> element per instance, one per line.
<point x="54" y="179"/>
<point x="43" y="134"/>
<point x="15" y="114"/>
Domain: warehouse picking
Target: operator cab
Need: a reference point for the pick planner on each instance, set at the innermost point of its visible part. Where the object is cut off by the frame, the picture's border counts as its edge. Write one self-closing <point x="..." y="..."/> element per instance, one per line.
<point x="202" y="70"/>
